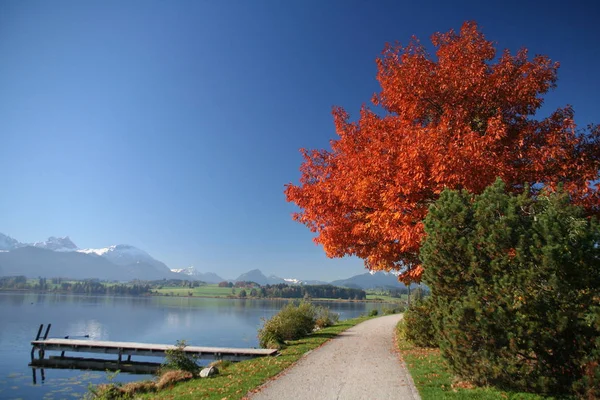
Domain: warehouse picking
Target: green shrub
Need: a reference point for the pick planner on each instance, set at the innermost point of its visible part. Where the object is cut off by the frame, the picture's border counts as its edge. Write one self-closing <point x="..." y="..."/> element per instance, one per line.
<point x="392" y="310"/>
<point x="514" y="280"/>
<point x="373" y="313"/>
<point x="417" y="324"/>
<point x="292" y="322"/>
<point x="178" y="359"/>
<point x="325" y="317"/>
<point x="588" y="386"/>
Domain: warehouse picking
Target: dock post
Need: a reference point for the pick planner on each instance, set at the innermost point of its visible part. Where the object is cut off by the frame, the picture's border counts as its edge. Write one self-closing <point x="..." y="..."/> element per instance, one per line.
<point x="47" y="331"/>
<point x="37" y="337"/>
<point x="34" y="376"/>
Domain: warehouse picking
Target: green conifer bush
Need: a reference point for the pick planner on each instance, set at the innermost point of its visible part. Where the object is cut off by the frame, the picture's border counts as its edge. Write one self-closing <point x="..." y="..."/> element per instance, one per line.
<point x="515" y="282"/>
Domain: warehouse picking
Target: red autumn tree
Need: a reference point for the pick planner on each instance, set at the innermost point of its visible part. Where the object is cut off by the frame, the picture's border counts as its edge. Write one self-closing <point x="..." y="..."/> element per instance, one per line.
<point x="456" y="120"/>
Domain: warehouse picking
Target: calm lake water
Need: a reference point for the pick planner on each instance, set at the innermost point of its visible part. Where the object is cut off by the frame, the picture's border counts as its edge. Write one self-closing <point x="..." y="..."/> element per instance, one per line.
<point x="201" y="322"/>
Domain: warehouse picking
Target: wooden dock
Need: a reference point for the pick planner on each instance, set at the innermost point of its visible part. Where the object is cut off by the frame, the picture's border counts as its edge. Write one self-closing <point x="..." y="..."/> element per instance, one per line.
<point x="130" y="349"/>
<point x="43" y="344"/>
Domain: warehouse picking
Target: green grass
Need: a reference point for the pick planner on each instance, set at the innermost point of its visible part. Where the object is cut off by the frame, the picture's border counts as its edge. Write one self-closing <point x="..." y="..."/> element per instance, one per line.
<point x="434" y="379"/>
<point x="238" y="379"/>
<point x="384" y="296"/>
<point x="201" y="291"/>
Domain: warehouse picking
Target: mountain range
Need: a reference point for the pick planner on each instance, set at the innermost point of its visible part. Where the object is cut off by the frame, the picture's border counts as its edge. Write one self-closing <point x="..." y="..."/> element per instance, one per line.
<point x="363" y="281"/>
<point x="208" y="277"/>
<point x="60" y="257"/>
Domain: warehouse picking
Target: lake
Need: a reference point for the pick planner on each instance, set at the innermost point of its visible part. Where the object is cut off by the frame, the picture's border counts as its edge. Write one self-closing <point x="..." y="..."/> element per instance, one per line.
<point x="155" y="319"/>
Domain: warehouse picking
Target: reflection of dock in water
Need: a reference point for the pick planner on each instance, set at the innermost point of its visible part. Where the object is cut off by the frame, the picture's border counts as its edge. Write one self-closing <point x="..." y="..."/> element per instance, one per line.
<point x="90" y="364"/>
<point x="121" y="349"/>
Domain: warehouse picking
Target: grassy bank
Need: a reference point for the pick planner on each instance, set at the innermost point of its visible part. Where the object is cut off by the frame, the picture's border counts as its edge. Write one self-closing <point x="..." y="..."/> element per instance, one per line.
<point x="200" y="291"/>
<point x="434" y="379"/>
<point x="214" y="291"/>
<point x="373" y="295"/>
<point x="237" y="379"/>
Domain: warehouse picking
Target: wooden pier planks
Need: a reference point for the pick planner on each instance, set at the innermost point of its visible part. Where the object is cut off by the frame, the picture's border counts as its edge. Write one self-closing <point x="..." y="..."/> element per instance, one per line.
<point x="146" y="349"/>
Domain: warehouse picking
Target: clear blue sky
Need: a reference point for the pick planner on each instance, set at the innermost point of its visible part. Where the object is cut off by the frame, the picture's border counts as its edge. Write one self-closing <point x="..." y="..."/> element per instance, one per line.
<point x="174" y="125"/>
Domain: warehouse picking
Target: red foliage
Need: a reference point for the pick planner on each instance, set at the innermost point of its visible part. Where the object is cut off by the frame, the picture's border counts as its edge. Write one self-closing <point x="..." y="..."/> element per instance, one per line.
<point x="456" y="120"/>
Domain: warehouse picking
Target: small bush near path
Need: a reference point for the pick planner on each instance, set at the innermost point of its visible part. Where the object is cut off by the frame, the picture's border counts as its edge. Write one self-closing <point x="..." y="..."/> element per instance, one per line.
<point x="393" y="310"/>
<point x="325" y="317"/>
<point x="434" y="379"/>
<point x="292" y="322"/>
<point x="417" y="326"/>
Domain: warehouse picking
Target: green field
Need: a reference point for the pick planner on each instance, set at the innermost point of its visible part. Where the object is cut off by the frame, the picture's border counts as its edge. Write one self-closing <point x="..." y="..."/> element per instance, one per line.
<point x="384" y="296"/>
<point x="216" y="291"/>
<point x="201" y="291"/>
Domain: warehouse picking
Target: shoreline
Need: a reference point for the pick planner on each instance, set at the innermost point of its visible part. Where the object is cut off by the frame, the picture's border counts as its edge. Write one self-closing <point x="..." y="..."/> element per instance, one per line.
<point x="326" y="300"/>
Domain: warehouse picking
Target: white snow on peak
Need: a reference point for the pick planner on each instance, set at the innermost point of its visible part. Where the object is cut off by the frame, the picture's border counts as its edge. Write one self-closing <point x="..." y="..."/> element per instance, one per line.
<point x="191" y="270"/>
<point x="98" y="252"/>
<point x="123" y="249"/>
<point x="57" y="244"/>
<point x="293" y="281"/>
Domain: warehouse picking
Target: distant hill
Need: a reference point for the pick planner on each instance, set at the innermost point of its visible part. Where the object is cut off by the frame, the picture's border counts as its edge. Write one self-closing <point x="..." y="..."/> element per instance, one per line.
<point x="254" y="275"/>
<point x="363" y="281"/>
<point x="370" y="281"/>
<point x="193" y="273"/>
<point x="257" y="276"/>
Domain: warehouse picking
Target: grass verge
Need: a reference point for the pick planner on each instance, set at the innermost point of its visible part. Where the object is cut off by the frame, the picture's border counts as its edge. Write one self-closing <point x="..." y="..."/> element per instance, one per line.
<point x="434" y="379"/>
<point x="235" y="381"/>
<point x="200" y="291"/>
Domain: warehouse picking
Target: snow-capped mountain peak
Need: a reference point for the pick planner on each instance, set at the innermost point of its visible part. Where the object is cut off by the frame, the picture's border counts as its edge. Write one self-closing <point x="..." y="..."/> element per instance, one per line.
<point x="97" y="252"/>
<point x="57" y="244"/>
<point x="191" y="271"/>
<point x="7" y="243"/>
<point x="126" y="255"/>
<point x="120" y="254"/>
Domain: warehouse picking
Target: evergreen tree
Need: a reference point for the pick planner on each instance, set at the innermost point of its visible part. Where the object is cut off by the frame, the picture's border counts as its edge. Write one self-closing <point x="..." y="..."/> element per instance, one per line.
<point x="515" y="281"/>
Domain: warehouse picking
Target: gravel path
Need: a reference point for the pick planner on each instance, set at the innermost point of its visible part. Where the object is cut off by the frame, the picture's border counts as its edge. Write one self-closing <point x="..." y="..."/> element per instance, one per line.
<point x="360" y="363"/>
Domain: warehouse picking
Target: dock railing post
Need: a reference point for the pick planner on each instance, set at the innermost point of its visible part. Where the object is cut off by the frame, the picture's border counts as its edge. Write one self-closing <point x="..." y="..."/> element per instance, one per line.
<point x="41" y="352"/>
<point x="47" y="331"/>
<point x="37" y="337"/>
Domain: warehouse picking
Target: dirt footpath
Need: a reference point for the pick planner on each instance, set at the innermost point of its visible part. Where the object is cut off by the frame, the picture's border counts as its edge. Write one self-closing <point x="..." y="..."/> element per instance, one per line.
<point x="360" y="363"/>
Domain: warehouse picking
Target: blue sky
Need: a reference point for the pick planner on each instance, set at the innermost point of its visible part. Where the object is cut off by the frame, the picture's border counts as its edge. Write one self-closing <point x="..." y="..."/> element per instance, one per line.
<point x="174" y="125"/>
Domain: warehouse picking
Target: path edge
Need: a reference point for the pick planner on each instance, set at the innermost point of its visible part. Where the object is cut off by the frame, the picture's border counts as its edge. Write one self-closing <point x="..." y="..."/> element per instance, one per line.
<point x="411" y="383"/>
